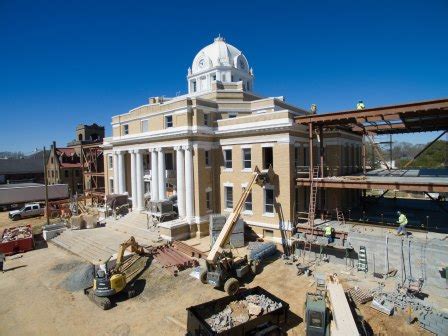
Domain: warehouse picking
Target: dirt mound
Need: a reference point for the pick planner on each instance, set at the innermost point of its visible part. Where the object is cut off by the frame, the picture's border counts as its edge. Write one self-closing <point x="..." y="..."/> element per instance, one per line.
<point x="65" y="267"/>
<point x="79" y="278"/>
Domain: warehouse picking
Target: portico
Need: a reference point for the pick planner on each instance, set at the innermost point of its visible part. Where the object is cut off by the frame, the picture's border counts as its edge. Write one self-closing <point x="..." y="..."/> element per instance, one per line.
<point x="159" y="176"/>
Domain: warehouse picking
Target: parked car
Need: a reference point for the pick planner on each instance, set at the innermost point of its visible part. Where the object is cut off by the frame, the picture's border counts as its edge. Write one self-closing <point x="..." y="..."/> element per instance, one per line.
<point x="29" y="210"/>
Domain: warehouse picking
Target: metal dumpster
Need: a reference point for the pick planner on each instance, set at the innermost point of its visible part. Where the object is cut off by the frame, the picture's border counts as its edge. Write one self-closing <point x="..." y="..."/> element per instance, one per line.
<point x="197" y="315"/>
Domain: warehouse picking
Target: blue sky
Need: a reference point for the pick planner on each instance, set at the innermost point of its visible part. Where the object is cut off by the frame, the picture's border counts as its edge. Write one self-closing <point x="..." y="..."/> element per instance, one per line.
<point x="68" y="62"/>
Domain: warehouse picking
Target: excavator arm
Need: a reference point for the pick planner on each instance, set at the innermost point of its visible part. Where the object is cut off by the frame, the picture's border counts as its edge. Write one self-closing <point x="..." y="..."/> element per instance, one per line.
<point x="259" y="178"/>
<point x="135" y="248"/>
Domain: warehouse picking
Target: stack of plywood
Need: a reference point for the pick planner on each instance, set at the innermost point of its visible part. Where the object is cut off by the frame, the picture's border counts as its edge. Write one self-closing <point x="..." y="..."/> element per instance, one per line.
<point x="343" y="323"/>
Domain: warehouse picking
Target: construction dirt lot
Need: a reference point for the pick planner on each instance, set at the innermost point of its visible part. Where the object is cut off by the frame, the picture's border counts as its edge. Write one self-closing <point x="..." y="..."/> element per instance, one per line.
<point x="35" y="301"/>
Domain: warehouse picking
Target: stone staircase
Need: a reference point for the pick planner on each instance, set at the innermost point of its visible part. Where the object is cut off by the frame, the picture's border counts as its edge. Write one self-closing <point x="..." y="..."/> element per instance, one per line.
<point x="99" y="244"/>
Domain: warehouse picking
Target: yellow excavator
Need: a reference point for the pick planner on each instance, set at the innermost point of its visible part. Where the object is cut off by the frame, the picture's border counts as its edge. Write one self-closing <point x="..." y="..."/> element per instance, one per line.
<point x="109" y="282"/>
<point x="222" y="268"/>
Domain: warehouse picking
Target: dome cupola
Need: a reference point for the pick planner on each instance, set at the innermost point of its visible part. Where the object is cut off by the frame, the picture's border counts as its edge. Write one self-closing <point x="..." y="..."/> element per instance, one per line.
<point x="219" y="61"/>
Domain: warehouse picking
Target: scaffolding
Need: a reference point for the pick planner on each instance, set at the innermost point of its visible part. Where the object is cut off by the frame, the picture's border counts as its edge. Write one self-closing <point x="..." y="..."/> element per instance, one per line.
<point x="92" y="160"/>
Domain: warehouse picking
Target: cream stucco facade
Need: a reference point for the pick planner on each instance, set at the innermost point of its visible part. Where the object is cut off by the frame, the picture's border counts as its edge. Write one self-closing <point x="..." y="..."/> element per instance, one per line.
<point x="203" y="146"/>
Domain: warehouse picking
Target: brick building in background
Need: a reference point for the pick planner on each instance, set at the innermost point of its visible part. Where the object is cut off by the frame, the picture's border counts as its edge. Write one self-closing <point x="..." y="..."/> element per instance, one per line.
<point x="65" y="164"/>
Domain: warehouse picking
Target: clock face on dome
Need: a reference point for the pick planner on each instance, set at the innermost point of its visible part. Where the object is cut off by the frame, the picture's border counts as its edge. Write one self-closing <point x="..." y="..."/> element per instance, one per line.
<point x="201" y="63"/>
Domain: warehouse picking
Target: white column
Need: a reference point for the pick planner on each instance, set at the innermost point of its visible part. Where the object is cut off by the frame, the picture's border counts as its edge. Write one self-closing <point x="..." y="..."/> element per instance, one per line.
<point x="162" y="174"/>
<point x="154" y="176"/>
<point x="115" y="163"/>
<point x="189" y="192"/>
<point x="133" y="180"/>
<point x="121" y="173"/>
<point x="139" y="180"/>
<point x="180" y="180"/>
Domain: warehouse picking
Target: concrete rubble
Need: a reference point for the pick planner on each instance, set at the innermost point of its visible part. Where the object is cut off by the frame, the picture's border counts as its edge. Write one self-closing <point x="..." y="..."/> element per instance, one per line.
<point x="17" y="233"/>
<point x="428" y="317"/>
<point x="241" y="311"/>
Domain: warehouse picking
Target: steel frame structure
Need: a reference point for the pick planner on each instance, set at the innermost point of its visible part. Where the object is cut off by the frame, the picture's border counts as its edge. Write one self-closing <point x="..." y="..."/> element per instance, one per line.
<point x="424" y="116"/>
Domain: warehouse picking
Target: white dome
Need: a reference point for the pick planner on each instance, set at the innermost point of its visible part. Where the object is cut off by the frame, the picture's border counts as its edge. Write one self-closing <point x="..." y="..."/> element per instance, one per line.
<point x="219" y="53"/>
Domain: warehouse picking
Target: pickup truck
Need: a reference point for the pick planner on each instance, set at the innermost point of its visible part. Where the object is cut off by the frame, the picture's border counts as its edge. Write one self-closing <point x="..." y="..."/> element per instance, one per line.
<point x="29" y="210"/>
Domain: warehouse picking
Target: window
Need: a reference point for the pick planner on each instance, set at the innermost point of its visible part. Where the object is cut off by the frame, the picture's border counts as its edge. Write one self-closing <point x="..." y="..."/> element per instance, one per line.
<point x="247" y="157"/>
<point x="268" y="200"/>
<point x="51" y="160"/>
<point x="247" y="86"/>
<point x="296" y="157"/>
<point x="66" y="173"/>
<point x="77" y="173"/>
<point x="233" y="115"/>
<point x="231" y="78"/>
<point x="52" y="173"/>
<point x="194" y="86"/>
<point x="126" y="129"/>
<point x="268" y="157"/>
<point x="228" y="196"/>
<point x="206" y="119"/>
<point x="111" y="161"/>
<point x="208" y="200"/>
<point x="228" y="158"/>
<point x="35" y="207"/>
<point x="305" y="156"/>
<point x="214" y="77"/>
<point x="145" y="125"/>
<point x="111" y="186"/>
<point x="268" y="233"/>
<point x="248" y="203"/>
<point x="169" y="165"/>
<point x="168" y="121"/>
<point x="207" y="158"/>
<point x="223" y="77"/>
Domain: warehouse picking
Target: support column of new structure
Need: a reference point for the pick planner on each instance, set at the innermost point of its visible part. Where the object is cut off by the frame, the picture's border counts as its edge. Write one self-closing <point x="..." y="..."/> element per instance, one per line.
<point x="162" y="174"/>
<point x="180" y="180"/>
<point x="189" y="192"/>
<point x="321" y="153"/>
<point x="154" y="175"/>
<point x="121" y="173"/>
<point x="115" y="166"/>
<point x="133" y="180"/>
<point x="139" y="179"/>
<point x="310" y="140"/>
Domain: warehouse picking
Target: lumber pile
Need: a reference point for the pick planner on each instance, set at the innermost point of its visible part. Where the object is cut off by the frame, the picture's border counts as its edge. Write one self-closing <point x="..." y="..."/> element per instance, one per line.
<point x="343" y="323"/>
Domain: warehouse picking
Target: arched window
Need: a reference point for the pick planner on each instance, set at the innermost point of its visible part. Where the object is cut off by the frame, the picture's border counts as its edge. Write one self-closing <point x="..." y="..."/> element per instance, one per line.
<point x="80" y="137"/>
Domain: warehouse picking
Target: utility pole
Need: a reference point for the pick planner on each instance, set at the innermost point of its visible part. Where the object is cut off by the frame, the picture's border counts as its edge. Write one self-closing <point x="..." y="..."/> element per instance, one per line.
<point x="46" y="185"/>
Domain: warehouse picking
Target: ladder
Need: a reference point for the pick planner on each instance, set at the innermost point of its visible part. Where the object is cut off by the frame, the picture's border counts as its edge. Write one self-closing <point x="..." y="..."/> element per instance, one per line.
<point x="313" y="197"/>
<point x="340" y="216"/>
<point x="362" y="259"/>
<point x="311" y="210"/>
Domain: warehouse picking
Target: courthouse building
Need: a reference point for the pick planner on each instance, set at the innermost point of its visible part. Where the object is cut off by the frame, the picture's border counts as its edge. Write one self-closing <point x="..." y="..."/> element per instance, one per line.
<point x="204" y="145"/>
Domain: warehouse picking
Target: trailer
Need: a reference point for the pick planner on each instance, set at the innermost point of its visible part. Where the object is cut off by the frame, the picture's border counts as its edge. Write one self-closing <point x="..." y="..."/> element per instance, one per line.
<point x="13" y="196"/>
<point x="267" y="323"/>
<point x="17" y="240"/>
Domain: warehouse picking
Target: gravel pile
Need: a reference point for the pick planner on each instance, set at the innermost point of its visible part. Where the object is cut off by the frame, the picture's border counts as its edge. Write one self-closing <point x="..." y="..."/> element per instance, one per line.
<point x="79" y="278"/>
<point x="238" y="312"/>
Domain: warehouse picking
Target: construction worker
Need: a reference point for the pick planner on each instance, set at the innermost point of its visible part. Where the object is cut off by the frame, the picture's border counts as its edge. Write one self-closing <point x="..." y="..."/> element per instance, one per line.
<point x="360" y="105"/>
<point x="402" y="221"/>
<point x="329" y="233"/>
